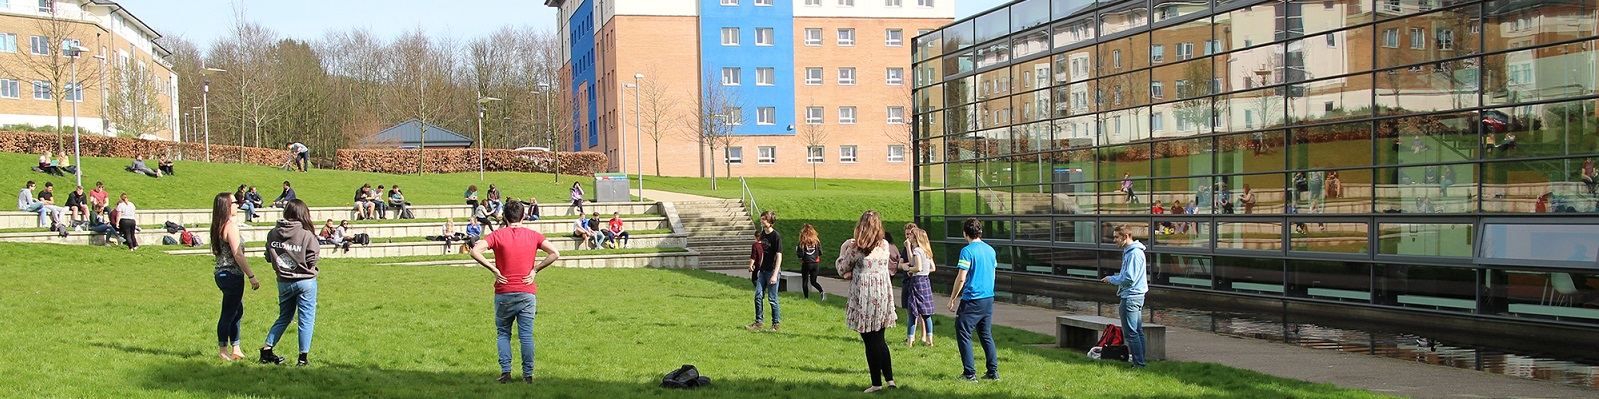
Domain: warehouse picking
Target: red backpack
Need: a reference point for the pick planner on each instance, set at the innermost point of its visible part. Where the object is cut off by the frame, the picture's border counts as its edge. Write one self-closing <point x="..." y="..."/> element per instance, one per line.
<point x="187" y="239"/>
<point x="1112" y="336"/>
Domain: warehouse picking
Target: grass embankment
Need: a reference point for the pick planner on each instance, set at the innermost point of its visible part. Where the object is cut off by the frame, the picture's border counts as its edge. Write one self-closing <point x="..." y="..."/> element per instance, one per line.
<point x="95" y="329"/>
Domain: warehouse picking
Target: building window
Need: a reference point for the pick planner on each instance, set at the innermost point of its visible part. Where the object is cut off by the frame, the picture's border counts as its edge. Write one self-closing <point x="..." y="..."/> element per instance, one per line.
<point x="846" y="76"/>
<point x="814" y="115"/>
<point x="1418" y="38"/>
<point x="896" y="153"/>
<point x="763" y="36"/>
<point x="39" y="45"/>
<point x="813" y="36"/>
<point x="729" y="2"/>
<point x="8" y="42"/>
<point x="10" y="88"/>
<point x="766" y="154"/>
<point x="846" y="36"/>
<point x="846" y="154"/>
<point x="766" y="116"/>
<point x="846" y="115"/>
<point x="74" y="93"/>
<point x="734" y="115"/>
<point x="815" y="154"/>
<point x="896" y="38"/>
<point x="896" y="115"/>
<point x="764" y="3"/>
<point x="846" y="3"/>
<point x="1157" y="121"/>
<point x="891" y="3"/>
<point x="813" y="3"/>
<point x="1116" y="58"/>
<point x="1212" y="47"/>
<point x="765" y="76"/>
<point x="1157" y="90"/>
<point x="1332" y="40"/>
<point x="729" y="36"/>
<point x="1390" y="38"/>
<point x="896" y="76"/>
<point x="813" y="76"/>
<point x="730" y="76"/>
<point x="1185" y="51"/>
<point x="1157" y="53"/>
<point x="41" y="90"/>
<point x="924" y="3"/>
<point x="735" y="155"/>
<point x="1390" y="5"/>
<point x="46" y="6"/>
<point x="1446" y="39"/>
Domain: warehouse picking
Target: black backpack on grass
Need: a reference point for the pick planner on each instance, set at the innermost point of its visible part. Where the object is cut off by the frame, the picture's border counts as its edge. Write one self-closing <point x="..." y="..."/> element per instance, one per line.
<point x="686" y="377"/>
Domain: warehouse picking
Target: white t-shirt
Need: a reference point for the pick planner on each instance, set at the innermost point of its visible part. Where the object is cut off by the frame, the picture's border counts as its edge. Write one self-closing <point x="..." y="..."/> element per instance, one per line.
<point x="297" y="148"/>
<point x="923" y="261"/>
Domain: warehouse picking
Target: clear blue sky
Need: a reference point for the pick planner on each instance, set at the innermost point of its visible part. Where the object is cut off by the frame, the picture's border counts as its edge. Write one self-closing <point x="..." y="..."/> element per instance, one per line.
<point x="203" y="21"/>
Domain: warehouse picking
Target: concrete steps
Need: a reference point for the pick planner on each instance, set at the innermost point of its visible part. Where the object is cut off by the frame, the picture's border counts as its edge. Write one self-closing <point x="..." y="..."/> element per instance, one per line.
<point x="18" y="219"/>
<point x="720" y="231"/>
<point x="379" y="249"/>
<point x="378" y="232"/>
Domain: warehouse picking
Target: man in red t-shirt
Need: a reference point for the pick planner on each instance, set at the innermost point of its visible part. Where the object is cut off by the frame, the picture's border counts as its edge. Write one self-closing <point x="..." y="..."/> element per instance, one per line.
<point x="617" y="233"/>
<point x="515" y="252"/>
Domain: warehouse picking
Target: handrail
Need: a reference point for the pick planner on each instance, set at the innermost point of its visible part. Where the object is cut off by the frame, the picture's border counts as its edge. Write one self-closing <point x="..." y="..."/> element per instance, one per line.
<point x="992" y="196"/>
<point x="747" y="193"/>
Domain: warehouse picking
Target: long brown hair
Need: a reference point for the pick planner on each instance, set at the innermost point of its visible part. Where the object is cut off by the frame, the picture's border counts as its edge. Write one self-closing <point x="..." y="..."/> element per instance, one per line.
<point x="868" y="232"/>
<point x="221" y="217"/>
<point x="297" y="211"/>
<point x="808" y="237"/>
<point x="916" y="236"/>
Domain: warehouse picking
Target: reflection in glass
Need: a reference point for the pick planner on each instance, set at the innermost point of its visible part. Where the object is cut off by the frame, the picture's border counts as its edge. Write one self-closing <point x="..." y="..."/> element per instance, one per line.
<point x="1076" y="231"/>
<point x="1450" y="137"/>
<point x="992" y="53"/>
<point x="1027" y="14"/>
<point x="1252" y="275"/>
<point x="1030" y="43"/>
<point x="1569" y="296"/>
<point x="1076" y="262"/>
<point x="1181" y="270"/>
<point x="1546" y="186"/>
<point x="1183" y="157"/>
<point x="1423" y="88"/>
<point x="1127" y="125"/>
<point x="1123" y="17"/>
<point x="1427" y="287"/>
<point x="1183" y="232"/>
<point x="1250" y="110"/>
<point x="1341" y="237"/>
<point x="1267" y="236"/>
<point x="1542" y="130"/>
<point x="1250" y="152"/>
<point x="1331" y="146"/>
<point x="1033" y="229"/>
<point x="992" y="26"/>
<point x="1426" y="239"/>
<point x="1079" y="30"/>
<point x="1329" y="100"/>
<point x="1528" y="23"/>
<point x="1430" y="37"/>
<point x="958" y="37"/>
<point x="1331" y="280"/>
<point x="1168" y="9"/>
<point x="1427" y="189"/>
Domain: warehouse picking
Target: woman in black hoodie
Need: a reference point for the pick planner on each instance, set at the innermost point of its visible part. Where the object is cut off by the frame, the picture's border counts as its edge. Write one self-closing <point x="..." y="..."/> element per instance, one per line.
<point x="292" y="251"/>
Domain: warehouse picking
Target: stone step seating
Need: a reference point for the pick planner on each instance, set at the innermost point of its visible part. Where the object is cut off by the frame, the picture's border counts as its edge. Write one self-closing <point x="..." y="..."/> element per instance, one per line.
<point x="380" y="249"/>
<point x="687" y="259"/>
<point x="378" y="232"/>
<point x="721" y="231"/>
<point x="19" y="219"/>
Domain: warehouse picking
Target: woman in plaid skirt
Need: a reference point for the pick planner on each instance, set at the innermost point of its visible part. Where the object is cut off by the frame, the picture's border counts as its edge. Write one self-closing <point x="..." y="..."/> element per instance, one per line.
<point x="920" y="288"/>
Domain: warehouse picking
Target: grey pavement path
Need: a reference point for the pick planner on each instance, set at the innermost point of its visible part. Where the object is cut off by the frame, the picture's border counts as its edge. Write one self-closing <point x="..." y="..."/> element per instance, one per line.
<point x="668" y="196"/>
<point x="1349" y="370"/>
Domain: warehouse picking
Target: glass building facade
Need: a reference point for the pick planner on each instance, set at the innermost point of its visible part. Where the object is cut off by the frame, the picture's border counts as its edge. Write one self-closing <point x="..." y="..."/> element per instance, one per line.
<point x="1407" y="155"/>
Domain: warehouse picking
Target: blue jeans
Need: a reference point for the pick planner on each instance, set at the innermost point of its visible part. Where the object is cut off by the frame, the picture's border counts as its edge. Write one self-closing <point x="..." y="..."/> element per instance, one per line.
<point x="768" y="292"/>
<point x="249" y="210"/>
<point x="976" y="314"/>
<point x="292" y="297"/>
<point x="926" y="322"/>
<point x="519" y="308"/>
<point x="1132" y="314"/>
<point x="232" y="286"/>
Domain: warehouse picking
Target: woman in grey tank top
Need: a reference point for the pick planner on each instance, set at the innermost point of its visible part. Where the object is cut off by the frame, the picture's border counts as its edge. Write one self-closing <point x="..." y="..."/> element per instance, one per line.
<point x="231" y="272"/>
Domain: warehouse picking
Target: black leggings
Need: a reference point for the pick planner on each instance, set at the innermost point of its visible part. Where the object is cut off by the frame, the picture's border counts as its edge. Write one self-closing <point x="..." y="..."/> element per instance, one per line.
<point x="877" y="357"/>
<point x="808" y="278"/>
<point x="232" y="286"/>
<point x="125" y="227"/>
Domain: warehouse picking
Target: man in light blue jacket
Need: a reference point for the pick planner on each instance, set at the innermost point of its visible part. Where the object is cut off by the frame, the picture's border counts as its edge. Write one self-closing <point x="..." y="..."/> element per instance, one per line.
<point x="1131" y="285"/>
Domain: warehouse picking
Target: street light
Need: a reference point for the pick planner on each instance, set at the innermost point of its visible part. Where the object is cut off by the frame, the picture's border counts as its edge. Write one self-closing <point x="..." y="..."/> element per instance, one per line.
<point x="638" y="140"/>
<point x="481" y="101"/>
<point x="74" y="50"/>
<point x="555" y="150"/>
<point x="205" y="105"/>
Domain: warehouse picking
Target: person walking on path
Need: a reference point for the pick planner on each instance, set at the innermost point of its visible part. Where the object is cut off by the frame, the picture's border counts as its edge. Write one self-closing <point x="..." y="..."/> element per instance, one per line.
<point x="809" y="253"/>
<point x="1132" y="282"/>
<point x="920" y="302"/>
<point x="515" y="252"/>
<point x="766" y="280"/>
<point x="577" y="198"/>
<point x="128" y="222"/>
<point x="302" y="156"/>
<point x="865" y="260"/>
<point x="231" y="271"/>
<point x="974" y="289"/>
<point x="292" y="251"/>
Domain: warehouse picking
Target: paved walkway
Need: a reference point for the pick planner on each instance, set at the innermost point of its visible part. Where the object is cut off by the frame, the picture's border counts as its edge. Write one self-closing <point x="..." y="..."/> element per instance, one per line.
<point x="1349" y="370"/>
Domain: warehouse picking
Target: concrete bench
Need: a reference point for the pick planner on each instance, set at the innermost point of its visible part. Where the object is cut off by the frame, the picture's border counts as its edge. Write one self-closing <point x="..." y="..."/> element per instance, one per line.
<point x="1082" y="332"/>
<point x="789" y="281"/>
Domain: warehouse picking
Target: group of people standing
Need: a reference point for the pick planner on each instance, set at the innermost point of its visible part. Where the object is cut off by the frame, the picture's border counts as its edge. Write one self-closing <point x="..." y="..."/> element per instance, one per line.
<point x="292" y="250"/>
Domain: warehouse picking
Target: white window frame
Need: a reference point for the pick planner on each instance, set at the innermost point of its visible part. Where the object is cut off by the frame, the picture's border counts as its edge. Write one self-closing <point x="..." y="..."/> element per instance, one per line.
<point x="1418" y="38"/>
<point x="846" y="36"/>
<point x="813" y="36"/>
<point x="924" y="3"/>
<point x="813" y="76"/>
<point x="896" y="153"/>
<point x="730" y="76"/>
<point x="848" y="154"/>
<point x="41" y="90"/>
<point x="813" y="3"/>
<point x="730" y="36"/>
<point x="763" y="3"/>
<point x="1157" y="90"/>
<point x="46" y="6"/>
<point x="1185" y="51"/>
<point x="765" y="76"/>
<point x="892" y="3"/>
<point x="1157" y="53"/>
<point x="730" y="2"/>
<point x="733" y="155"/>
<point x="766" y="155"/>
<point x="846" y="3"/>
<point x="896" y="115"/>
<point x="1157" y="121"/>
<point x="846" y="115"/>
<point x="1390" y="38"/>
<point x="846" y="76"/>
<point x="815" y="154"/>
<point x="73" y="93"/>
<point x="894" y="37"/>
<point x="895" y="76"/>
<point x="38" y="45"/>
<point x="10" y="88"/>
<point x="1445" y="38"/>
<point x="8" y="42"/>
<point x="765" y="36"/>
<point x="766" y="115"/>
<point x="734" y="116"/>
<point x="815" y="115"/>
<point x="1332" y="40"/>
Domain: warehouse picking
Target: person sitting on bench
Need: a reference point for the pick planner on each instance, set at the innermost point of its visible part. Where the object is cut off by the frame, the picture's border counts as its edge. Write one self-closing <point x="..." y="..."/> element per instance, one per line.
<point x="288" y="195"/>
<point x="617" y="233"/>
<point x="397" y="200"/>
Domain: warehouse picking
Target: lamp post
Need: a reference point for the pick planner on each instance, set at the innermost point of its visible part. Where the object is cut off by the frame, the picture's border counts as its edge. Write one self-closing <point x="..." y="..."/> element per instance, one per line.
<point x="73" y="50"/>
<point x="638" y="133"/>
<point x="555" y="150"/>
<point x="481" y="101"/>
<point x="205" y="106"/>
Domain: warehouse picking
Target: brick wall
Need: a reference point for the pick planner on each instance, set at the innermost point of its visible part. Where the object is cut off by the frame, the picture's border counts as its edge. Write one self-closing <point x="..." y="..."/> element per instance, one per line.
<point x="466" y="160"/>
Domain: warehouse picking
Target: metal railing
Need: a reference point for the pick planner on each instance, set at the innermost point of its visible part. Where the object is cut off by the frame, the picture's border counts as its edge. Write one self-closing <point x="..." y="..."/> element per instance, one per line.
<point x="748" y="197"/>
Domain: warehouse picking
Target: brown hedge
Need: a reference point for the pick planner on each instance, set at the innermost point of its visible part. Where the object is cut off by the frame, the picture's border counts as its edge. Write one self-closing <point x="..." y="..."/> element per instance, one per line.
<point x="456" y="160"/>
<point x="93" y="145"/>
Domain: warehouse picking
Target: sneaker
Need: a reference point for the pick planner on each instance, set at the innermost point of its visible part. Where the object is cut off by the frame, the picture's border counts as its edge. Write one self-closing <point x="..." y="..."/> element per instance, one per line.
<point x="527" y="379"/>
<point x="505" y="378"/>
<point x="968" y="377"/>
<point x="302" y="362"/>
<point x="755" y="327"/>
<point x="824" y="297"/>
<point x="268" y="358"/>
<point x="775" y="326"/>
<point x="991" y="376"/>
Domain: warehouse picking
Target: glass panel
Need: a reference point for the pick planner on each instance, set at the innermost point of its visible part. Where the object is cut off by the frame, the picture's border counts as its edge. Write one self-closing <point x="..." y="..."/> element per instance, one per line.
<point x="1542" y="130"/>
<point x="1342" y="237"/>
<point x="1541" y="244"/>
<point x="1325" y="15"/>
<point x="1250" y="152"/>
<point x="1250" y="235"/>
<point x="1261" y="23"/>
<point x="1429" y="138"/>
<point x="1260" y="193"/>
<point x="1425" y="38"/>
<point x="1559" y="71"/>
<point x="1252" y="275"/>
<point x="1126" y="196"/>
<point x="1124" y="126"/>
<point x="1122" y="162"/>
<point x="929" y="73"/>
<point x="1427" y="189"/>
<point x="992" y="25"/>
<point x="1034" y="260"/>
<point x="1331" y="146"/>
<point x="928" y="46"/>
<point x="1125" y="90"/>
<point x="1065" y="8"/>
<point x="1030" y="107"/>
<point x="1183" y="157"/>
<point x="994" y="114"/>
<point x="1139" y="229"/>
<point x="1031" y="138"/>
<point x="1029" y="43"/>
<point x="1528" y="23"/>
<point x="1189" y="232"/>
<point x="958" y="36"/>
<point x="1181" y="270"/>
<point x="1427" y="287"/>
<point x="1438" y="86"/>
<point x="992" y="53"/>
<point x="1033" y="229"/>
<point x="1173" y="196"/>
<point x="1076" y="132"/>
<point x="960" y="202"/>
<point x="1076" y="231"/>
<point x="1027" y="14"/>
<point x="996" y="229"/>
<point x="1123" y="54"/>
<point x="1004" y="255"/>
<point x="955" y="64"/>
<point x="1339" y="281"/>
<point x="1250" y="110"/>
<point x="1073" y="194"/>
<point x="1557" y="295"/>
<point x="1427" y="239"/>
<point x="960" y="91"/>
<point x="993" y="84"/>
<point x="1329" y="100"/>
<point x="1539" y="186"/>
<point x="1334" y="191"/>
<point x="1079" y="30"/>
<point x="1183" y="41"/>
<point x="1168" y="9"/>
<point x="962" y="120"/>
<point x="1076" y="262"/>
<point x="1123" y="17"/>
<point x="936" y="228"/>
<point x="1253" y="67"/>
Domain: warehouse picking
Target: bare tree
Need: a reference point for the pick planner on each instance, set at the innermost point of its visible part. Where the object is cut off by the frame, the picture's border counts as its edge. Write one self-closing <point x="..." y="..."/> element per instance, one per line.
<point x="658" y="114"/>
<point x="419" y="81"/>
<point x="814" y="134"/>
<point x="135" y="104"/>
<point x="247" y="54"/>
<point x="901" y="134"/>
<point x="50" y="65"/>
<point x="715" y="108"/>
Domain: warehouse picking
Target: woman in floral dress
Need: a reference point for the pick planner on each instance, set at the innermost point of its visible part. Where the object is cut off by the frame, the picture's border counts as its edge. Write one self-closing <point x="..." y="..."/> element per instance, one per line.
<point x="865" y="261"/>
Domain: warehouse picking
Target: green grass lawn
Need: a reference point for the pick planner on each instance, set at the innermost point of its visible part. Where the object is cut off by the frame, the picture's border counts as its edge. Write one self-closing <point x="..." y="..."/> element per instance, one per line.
<point x="121" y="324"/>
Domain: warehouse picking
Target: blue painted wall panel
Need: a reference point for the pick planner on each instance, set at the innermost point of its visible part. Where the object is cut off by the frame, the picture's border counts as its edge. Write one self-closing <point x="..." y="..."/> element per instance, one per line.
<point x="581" y="41"/>
<point x="748" y="57"/>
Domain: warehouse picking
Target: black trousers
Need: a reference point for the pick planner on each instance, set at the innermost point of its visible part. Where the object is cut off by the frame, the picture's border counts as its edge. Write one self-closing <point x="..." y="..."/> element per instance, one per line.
<point x="125" y="227"/>
<point x="877" y="357"/>
<point x="808" y="278"/>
